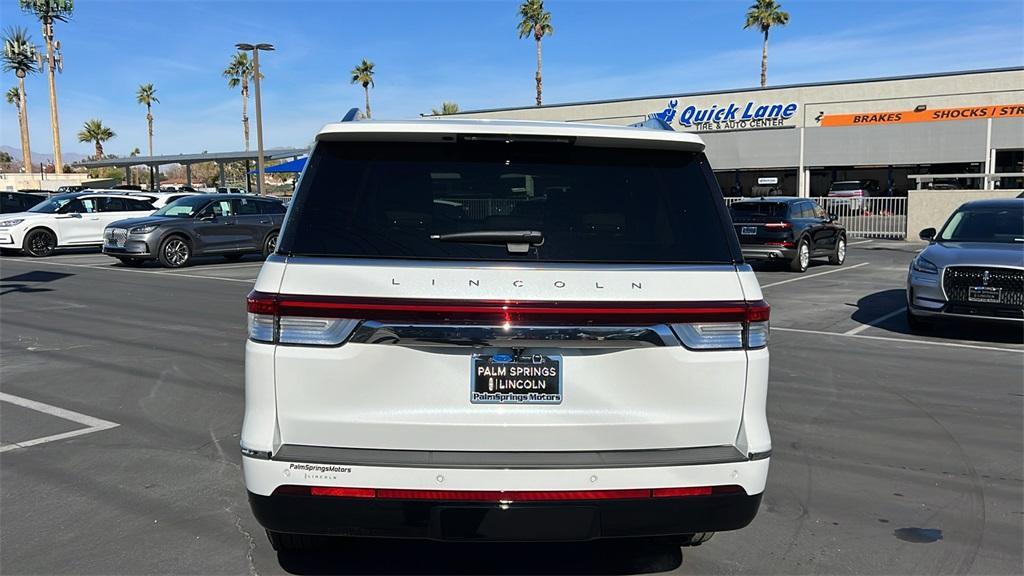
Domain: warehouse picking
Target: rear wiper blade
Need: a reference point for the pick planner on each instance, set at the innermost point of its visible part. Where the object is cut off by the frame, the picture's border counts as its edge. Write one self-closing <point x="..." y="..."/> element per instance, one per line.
<point x="517" y="241"/>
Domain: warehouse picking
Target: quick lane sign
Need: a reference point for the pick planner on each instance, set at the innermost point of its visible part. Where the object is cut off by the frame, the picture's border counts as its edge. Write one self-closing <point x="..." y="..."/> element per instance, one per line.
<point x="728" y="116"/>
<point x="937" y="115"/>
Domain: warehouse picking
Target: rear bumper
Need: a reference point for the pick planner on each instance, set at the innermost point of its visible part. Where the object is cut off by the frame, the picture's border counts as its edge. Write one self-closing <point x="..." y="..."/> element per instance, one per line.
<point x="527" y="521"/>
<point x="758" y="252"/>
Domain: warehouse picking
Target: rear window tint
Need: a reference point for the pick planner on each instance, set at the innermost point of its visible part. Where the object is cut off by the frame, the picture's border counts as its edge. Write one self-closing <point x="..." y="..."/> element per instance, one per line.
<point x="773" y="209"/>
<point x="387" y="200"/>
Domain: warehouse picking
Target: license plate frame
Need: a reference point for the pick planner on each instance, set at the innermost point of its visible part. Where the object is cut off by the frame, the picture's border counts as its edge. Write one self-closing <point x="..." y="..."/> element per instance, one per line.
<point x="507" y="379"/>
<point x="748" y="231"/>
<point x="985" y="294"/>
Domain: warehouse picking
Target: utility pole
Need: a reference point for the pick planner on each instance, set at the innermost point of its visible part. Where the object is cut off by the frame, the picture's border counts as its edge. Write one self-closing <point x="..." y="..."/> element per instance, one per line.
<point x="255" y="48"/>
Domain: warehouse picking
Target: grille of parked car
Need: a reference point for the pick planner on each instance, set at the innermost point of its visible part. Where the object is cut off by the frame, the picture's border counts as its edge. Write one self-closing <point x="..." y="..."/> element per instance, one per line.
<point x="116" y="236"/>
<point x="958" y="281"/>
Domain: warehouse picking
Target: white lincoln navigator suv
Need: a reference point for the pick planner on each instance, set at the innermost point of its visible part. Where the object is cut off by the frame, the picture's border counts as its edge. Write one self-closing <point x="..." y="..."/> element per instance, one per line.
<point x="505" y="331"/>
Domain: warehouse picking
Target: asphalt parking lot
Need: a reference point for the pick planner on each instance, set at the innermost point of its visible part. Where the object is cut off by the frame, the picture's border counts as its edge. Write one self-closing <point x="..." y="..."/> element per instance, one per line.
<point x="121" y="405"/>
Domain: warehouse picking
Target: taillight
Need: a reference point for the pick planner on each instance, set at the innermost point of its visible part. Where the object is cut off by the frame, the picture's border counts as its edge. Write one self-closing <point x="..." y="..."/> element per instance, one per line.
<point x="507" y="495"/>
<point x="330" y="320"/>
<point x="778" y="225"/>
<point x="268" y="324"/>
<point x="751" y="333"/>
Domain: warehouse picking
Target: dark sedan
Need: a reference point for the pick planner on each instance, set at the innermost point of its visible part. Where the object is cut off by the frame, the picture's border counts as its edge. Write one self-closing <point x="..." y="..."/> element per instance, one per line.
<point x="230" y="225"/>
<point x="792" y="230"/>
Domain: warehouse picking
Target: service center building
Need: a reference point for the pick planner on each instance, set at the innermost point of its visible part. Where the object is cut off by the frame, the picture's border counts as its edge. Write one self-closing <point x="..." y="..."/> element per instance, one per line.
<point x="798" y="139"/>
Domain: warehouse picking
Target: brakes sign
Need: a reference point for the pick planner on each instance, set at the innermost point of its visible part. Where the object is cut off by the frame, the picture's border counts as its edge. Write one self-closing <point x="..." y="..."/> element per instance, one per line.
<point x="937" y="115"/>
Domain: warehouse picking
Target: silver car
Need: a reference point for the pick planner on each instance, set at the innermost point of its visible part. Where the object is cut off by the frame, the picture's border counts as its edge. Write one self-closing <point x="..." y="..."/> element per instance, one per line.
<point x="973" y="267"/>
<point x="205" y="224"/>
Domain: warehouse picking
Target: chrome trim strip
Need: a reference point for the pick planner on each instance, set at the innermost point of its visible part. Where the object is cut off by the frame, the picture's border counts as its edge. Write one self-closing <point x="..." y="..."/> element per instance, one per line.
<point x="443" y="335"/>
<point x="510" y="460"/>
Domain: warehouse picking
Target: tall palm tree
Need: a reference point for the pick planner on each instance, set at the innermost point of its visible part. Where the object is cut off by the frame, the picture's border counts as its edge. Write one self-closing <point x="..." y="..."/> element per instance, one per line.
<point x="446" y="109"/>
<point x="238" y="73"/>
<point x="94" y="131"/>
<point x="763" y="14"/>
<point x="363" y="74"/>
<point x="536" y="21"/>
<point x="48" y="12"/>
<point x="20" y="57"/>
<point x="147" y="95"/>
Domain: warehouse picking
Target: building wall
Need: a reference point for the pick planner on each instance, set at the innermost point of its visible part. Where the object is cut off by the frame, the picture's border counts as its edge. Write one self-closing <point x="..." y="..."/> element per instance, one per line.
<point x="731" y="147"/>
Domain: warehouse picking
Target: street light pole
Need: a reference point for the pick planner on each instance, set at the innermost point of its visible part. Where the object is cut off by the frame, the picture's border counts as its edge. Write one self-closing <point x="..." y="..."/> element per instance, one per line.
<point x="259" y="108"/>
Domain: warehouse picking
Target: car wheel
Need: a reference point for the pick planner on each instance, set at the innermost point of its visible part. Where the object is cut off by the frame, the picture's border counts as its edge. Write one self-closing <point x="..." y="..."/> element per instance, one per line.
<point x="129" y="261"/>
<point x="802" y="260"/>
<point x="175" y="252"/>
<point x="270" y="246"/>
<point x="233" y="257"/>
<point x="839" y="255"/>
<point x="41" y="242"/>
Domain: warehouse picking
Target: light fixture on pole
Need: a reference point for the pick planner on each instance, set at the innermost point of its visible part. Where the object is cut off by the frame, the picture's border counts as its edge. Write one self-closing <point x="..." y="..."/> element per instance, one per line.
<point x="255" y="48"/>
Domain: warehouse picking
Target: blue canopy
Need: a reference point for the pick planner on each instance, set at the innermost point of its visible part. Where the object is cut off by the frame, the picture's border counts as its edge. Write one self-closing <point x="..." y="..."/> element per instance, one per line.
<point x="292" y="166"/>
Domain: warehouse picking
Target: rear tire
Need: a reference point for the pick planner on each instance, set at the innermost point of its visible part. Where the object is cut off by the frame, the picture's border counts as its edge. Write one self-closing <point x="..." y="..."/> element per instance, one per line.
<point x="175" y="252"/>
<point x="270" y="244"/>
<point x="39" y="243"/>
<point x="802" y="260"/>
<point x="838" y="256"/>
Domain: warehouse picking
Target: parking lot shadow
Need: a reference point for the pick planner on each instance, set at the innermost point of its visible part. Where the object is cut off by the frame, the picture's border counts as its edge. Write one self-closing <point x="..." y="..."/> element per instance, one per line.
<point x="29" y="281"/>
<point x="424" y="557"/>
<point x="877" y="305"/>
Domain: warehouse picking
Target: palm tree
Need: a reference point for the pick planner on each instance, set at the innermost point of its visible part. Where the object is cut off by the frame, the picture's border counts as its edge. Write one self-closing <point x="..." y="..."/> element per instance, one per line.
<point x="536" y="21"/>
<point x="446" y="108"/>
<point x="147" y="95"/>
<point x="48" y="12"/>
<point x="20" y="57"/>
<point x="363" y="74"/>
<point x="764" y="14"/>
<point x="238" y="73"/>
<point x="94" y="131"/>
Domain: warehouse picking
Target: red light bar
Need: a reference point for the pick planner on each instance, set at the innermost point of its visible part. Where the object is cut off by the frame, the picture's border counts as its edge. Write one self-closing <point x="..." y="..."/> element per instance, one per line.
<point x="778" y="225"/>
<point x="498" y="312"/>
<point x="506" y="496"/>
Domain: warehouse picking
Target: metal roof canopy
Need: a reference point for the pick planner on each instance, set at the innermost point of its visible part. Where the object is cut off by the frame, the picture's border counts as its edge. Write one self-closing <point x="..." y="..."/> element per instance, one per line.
<point x="219" y="157"/>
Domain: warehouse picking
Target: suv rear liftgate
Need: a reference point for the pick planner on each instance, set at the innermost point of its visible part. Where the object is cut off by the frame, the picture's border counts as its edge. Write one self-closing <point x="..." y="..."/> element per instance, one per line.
<point x="463" y="324"/>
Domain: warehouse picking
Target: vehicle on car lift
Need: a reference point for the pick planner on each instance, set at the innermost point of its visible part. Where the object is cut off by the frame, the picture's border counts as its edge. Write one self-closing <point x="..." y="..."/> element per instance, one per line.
<point x="487" y="330"/>
<point x="973" y="268"/>
<point x="790" y="230"/>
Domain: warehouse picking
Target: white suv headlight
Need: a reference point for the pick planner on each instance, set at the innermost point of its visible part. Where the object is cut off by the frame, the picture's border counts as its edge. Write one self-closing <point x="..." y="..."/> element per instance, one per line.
<point x="9" y="223"/>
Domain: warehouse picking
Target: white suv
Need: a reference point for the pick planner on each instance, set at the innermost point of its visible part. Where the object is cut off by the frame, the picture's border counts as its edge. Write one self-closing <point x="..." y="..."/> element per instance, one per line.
<point x="507" y="331"/>
<point x="68" y="220"/>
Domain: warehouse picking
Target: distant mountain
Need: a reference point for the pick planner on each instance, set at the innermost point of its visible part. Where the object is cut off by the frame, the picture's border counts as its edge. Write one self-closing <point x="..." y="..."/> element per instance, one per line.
<point x="37" y="157"/>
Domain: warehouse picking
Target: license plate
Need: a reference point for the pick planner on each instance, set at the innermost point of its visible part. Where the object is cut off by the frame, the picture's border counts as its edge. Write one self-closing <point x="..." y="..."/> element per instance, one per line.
<point x="748" y="231"/>
<point x="984" y="294"/>
<point x="504" y="379"/>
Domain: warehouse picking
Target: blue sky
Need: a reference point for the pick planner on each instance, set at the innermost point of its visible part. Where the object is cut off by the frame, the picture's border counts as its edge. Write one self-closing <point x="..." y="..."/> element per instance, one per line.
<point x="427" y="51"/>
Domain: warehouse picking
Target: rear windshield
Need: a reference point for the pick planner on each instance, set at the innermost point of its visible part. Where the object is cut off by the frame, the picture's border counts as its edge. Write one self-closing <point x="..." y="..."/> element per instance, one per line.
<point x="773" y="209"/>
<point x="392" y="200"/>
<point x="846" y="186"/>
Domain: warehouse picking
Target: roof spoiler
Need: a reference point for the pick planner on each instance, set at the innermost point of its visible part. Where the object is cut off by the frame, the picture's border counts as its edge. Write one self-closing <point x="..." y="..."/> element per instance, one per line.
<point x="654" y="123"/>
<point x="352" y="115"/>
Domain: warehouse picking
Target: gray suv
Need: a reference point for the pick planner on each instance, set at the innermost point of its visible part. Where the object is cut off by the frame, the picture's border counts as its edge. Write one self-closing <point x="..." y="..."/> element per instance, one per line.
<point x="225" y="224"/>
